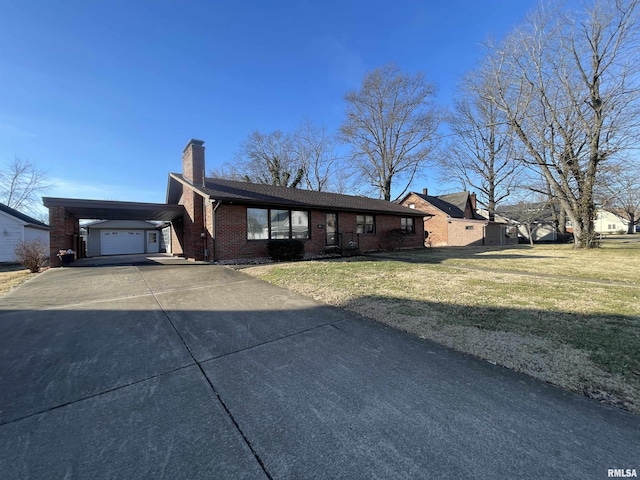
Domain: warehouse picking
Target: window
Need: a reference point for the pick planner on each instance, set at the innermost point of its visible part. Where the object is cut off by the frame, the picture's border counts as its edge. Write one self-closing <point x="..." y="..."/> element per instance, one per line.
<point x="153" y="237"/>
<point x="265" y="223"/>
<point x="300" y="228"/>
<point x="257" y="223"/>
<point x="280" y="223"/>
<point x="468" y="227"/>
<point x="365" y="224"/>
<point x="407" y="225"/>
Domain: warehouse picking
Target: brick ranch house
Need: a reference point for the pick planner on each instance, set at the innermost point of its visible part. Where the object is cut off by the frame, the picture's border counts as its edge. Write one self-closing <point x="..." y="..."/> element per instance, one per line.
<point x="215" y="219"/>
<point x="227" y="220"/>
<point x="452" y="221"/>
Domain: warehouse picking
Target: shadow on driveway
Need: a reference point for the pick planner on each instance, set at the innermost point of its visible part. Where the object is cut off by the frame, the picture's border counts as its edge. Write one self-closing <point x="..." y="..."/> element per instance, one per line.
<point x="160" y="371"/>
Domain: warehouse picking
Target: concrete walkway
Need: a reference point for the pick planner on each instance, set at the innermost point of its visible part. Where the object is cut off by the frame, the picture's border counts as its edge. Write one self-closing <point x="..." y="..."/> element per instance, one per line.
<point x="166" y="369"/>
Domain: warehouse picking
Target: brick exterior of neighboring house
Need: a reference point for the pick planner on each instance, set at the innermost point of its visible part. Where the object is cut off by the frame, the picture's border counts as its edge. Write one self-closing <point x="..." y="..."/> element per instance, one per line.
<point x="452" y="221"/>
<point x="215" y="226"/>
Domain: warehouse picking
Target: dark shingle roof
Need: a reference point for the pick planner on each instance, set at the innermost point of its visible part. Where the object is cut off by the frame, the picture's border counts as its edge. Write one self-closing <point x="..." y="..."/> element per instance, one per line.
<point x="22" y="216"/>
<point x="533" y="211"/>
<point x="453" y="204"/>
<point x="231" y="191"/>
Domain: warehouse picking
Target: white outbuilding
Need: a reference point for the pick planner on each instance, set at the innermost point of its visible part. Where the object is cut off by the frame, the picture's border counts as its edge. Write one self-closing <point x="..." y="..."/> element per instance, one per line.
<point x="16" y="227"/>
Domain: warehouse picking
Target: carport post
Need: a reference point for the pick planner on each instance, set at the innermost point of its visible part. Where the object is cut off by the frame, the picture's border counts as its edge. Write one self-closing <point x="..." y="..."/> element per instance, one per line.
<point x="64" y="229"/>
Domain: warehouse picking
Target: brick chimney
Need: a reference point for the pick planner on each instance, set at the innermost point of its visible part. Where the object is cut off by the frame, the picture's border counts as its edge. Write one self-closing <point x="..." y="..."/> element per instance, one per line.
<point x="193" y="162"/>
<point x="425" y="191"/>
<point x="472" y="197"/>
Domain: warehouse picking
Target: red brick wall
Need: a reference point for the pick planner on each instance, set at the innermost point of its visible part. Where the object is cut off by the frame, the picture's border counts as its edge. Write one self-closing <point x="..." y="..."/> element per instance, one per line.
<point x="445" y="231"/>
<point x="177" y="237"/>
<point x="193" y="162"/>
<point x="186" y="235"/>
<point x="64" y="233"/>
<point x="463" y="232"/>
<point x="437" y="225"/>
<point x="231" y="233"/>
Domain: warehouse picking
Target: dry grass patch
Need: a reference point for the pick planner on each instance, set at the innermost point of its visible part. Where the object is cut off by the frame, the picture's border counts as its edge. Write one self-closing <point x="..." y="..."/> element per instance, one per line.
<point x="11" y="276"/>
<point x="580" y="335"/>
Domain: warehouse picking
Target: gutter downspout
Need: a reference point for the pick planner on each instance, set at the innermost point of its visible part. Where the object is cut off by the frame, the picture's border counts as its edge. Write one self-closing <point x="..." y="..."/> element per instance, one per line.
<point x="215" y="230"/>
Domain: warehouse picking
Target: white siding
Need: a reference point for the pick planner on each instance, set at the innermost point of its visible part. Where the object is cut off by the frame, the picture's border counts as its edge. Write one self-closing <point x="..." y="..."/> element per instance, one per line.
<point x="31" y="233"/>
<point x="11" y="232"/>
<point x="607" y="222"/>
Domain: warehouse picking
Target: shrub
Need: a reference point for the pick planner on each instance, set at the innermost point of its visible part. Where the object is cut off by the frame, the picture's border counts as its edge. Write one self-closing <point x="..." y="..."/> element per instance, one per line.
<point x="280" y="250"/>
<point x="395" y="239"/>
<point x="33" y="254"/>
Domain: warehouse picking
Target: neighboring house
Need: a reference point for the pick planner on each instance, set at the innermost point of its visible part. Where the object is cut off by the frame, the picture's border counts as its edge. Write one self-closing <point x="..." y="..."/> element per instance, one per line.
<point x="607" y="222"/>
<point x="119" y="237"/>
<point x="16" y="227"/>
<point x="228" y="219"/>
<point x="452" y="220"/>
<point x="534" y="217"/>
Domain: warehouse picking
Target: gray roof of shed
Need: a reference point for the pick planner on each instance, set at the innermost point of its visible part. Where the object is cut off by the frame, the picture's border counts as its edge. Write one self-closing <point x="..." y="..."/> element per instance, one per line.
<point x="21" y="216"/>
<point x="245" y="193"/>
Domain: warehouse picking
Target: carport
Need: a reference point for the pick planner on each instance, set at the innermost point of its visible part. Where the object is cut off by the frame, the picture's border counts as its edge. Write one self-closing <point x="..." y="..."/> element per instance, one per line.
<point x="65" y="215"/>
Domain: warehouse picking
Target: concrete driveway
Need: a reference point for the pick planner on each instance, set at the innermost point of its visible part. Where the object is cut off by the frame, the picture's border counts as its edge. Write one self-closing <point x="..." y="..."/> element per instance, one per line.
<point x="166" y="369"/>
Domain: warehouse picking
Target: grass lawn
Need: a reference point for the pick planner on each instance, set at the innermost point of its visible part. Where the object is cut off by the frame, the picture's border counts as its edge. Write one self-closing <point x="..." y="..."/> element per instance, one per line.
<point x="569" y="317"/>
<point x="12" y="275"/>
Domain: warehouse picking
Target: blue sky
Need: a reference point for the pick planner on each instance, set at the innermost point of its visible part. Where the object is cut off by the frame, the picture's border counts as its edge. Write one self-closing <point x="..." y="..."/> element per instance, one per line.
<point x="105" y="94"/>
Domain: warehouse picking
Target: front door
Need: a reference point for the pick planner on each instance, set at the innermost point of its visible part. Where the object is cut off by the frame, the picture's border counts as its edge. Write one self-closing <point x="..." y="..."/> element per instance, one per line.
<point x="332" y="229"/>
<point x="153" y="243"/>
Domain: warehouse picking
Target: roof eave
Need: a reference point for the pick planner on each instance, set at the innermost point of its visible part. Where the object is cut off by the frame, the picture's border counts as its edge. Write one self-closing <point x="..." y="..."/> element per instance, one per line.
<point x="305" y="206"/>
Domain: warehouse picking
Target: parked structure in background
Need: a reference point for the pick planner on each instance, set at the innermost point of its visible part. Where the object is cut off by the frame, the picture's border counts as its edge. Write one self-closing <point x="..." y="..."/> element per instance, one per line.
<point x="535" y="221"/>
<point x="121" y="237"/>
<point x="16" y="227"/>
<point x="607" y="223"/>
<point x="452" y="220"/>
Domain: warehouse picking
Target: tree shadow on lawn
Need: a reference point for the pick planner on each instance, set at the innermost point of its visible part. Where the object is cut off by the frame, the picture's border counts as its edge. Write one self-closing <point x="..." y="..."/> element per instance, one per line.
<point x="436" y="255"/>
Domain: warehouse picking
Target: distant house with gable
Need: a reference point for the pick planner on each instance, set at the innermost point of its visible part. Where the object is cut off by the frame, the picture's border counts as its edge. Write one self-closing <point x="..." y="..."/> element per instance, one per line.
<point x="452" y="220"/>
<point x="607" y="222"/>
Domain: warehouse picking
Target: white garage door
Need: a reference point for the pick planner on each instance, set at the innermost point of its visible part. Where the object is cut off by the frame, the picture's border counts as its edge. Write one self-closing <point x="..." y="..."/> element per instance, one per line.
<point x="120" y="242"/>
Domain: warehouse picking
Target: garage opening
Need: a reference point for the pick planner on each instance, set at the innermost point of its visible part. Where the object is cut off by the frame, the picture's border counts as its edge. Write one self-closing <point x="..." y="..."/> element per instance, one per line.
<point x="122" y="242"/>
<point x="115" y="228"/>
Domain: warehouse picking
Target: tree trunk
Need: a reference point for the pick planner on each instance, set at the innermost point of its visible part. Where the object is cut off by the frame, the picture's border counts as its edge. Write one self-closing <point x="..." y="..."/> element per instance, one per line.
<point x="632" y="220"/>
<point x="588" y="237"/>
<point x="491" y="204"/>
<point x="562" y="222"/>
<point x="386" y="189"/>
<point x="530" y="234"/>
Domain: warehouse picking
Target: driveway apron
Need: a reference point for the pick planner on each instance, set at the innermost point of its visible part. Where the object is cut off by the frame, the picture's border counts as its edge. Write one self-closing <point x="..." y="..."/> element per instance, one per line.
<point x="170" y="369"/>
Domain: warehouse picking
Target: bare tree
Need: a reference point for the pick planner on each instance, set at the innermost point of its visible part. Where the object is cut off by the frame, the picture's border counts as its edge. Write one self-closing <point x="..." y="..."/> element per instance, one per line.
<point x="390" y="125"/>
<point x="270" y="159"/>
<point x="315" y="148"/>
<point x="620" y="194"/>
<point x="481" y="153"/>
<point x="227" y="171"/>
<point x="21" y="183"/>
<point x="569" y="89"/>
